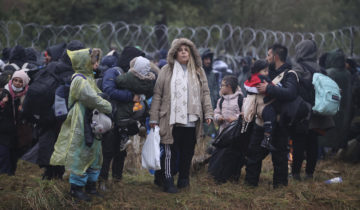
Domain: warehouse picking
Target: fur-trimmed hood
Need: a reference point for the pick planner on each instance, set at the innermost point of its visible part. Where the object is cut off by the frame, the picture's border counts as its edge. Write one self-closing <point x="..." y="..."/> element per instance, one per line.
<point x="175" y="46"/>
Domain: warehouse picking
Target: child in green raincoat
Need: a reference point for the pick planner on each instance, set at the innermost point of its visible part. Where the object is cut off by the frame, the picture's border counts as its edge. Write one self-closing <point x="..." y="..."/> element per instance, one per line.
<point x="71" y="150"/>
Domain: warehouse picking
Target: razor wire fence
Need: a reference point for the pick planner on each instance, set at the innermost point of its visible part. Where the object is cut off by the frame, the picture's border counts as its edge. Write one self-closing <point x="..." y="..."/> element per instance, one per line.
<point x="230" y="42"/>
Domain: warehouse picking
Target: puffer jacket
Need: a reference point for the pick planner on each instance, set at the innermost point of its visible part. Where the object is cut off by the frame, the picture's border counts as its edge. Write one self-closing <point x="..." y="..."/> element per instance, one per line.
<point x="230" y="108"/>
<point x="109" y="86"/>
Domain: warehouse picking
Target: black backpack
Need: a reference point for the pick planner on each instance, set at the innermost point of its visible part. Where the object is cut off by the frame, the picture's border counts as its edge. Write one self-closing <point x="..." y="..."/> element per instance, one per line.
<point x="306" y="88"/>
<point x="40" y="96"/>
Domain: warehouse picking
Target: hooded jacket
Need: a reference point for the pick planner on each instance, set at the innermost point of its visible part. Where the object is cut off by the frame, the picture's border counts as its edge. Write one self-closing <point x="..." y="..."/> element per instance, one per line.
<point x="70" y="148"/>
<point x="211" y="77"/>
<point x="305" y="66"/>
<point x="160" y="106"/>
<point x="18" y="56"/>
<point x="335" y="68"/>
<point x="56" y="51"/>
<point x="127" y="55"/>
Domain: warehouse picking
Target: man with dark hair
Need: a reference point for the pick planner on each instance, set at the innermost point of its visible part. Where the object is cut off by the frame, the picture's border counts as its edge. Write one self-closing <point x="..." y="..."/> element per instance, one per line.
<point x="278" y="51"/>
<point x="283" y="93"/>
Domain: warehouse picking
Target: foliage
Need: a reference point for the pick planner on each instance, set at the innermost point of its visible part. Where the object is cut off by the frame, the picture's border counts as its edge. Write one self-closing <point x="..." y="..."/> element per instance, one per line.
<point x="284" y="15"/>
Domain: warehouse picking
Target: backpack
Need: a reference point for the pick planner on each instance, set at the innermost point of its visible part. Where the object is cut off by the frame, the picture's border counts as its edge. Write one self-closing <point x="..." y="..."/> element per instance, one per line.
<point x="321" y="92"/>
<point x="40" y="96"/>
<point x="327" y="95"/>
<point x="61" y="108"/>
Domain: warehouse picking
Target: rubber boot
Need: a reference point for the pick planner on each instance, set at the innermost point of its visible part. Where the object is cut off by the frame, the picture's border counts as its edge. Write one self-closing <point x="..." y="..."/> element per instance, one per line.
<point x="77" y="192"/>
<point x="90" y="188"/>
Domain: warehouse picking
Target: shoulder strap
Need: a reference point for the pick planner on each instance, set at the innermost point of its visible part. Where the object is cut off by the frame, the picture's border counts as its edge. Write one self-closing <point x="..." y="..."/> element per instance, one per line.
<point x="297" y="77"/>
<point x="78" y="74"/>
<point x="15" y="66"/>
<point x="221" y="102"/>
<point x="279" y="77"/>
<point x="25" y="66"/>
<point x="240" y="101"/>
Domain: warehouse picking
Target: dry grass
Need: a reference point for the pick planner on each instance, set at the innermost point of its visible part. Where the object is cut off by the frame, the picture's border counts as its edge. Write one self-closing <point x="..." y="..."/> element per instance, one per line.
<point x="27" y="191"/>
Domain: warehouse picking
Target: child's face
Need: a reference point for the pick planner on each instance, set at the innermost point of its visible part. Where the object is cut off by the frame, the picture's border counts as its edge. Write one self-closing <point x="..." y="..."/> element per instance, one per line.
<point x="264" y="72"/>
<point x="17" y="82"/>
<point x="225" y="89"/>
<point x="96" y="65"/>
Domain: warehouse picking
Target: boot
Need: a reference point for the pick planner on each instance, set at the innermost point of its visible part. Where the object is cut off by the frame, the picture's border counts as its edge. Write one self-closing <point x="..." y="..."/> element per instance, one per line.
<point x="169" y="186"/>
<point x="77" y="192"/>
<point x="158" y="179"/>
<point x="182" y="183"/>
<point x="90" y="188"/>
<point x="266" y="143"/>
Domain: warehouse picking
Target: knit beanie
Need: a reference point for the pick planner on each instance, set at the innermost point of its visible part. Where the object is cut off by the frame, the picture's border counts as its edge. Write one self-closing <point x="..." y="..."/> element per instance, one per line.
<point x="258" y="66"/>
<point x="142" y="65"/>
<point x="22" y="74"/>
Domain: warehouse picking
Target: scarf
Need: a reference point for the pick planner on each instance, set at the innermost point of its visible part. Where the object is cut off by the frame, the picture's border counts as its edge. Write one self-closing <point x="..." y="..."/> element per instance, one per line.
<point x="17" y="94"/>
<point x="185" y="101"/>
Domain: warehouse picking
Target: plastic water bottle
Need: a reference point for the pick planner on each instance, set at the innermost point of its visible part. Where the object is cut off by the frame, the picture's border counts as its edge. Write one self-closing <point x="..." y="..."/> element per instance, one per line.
<point x="334" y="180"/>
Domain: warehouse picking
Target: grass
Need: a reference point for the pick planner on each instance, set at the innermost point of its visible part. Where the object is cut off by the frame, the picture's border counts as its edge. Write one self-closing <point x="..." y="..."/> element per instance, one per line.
<point x="26" y="190"/>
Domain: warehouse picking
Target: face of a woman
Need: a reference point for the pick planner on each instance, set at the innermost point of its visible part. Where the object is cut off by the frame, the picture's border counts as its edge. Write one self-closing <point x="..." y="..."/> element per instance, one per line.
<point x="183" y="54"/>
<point x="17" y="82"/>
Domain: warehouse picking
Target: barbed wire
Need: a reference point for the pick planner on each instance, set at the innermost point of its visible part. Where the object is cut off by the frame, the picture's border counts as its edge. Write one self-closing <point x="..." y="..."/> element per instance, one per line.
<point x="230" y="42"/>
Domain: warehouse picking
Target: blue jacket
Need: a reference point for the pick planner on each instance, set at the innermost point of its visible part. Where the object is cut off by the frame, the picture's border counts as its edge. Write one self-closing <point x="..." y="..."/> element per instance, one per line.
<point x="109" y="86"/>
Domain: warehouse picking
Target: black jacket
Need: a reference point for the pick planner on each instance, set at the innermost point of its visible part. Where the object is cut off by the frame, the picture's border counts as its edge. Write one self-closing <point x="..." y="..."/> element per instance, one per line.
<point x="56" y="51"/>
<point x="289" y="86"/>
<point x="7" y="122"/>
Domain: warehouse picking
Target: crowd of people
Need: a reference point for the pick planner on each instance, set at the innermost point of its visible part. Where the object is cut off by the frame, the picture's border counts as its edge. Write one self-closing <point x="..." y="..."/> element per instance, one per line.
<point x="187" y="93"/>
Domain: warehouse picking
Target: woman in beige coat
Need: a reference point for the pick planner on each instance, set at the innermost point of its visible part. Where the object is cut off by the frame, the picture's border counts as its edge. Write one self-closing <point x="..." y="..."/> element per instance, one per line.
<point x="180" y="103"/>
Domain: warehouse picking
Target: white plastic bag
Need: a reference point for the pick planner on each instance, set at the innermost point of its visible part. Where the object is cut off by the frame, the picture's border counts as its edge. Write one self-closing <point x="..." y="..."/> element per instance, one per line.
<point x="150" y="156"/>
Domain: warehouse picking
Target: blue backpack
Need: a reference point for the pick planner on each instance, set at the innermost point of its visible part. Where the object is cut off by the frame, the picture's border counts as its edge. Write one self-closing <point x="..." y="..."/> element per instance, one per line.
<point x="61" y="108"/>
<point x="327" y="95"/>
